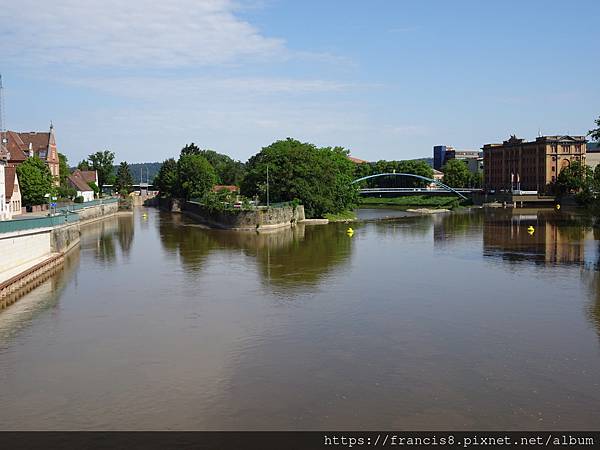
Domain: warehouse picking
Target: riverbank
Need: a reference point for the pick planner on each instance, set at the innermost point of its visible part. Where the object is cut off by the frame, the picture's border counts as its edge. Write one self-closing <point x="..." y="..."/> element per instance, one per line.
<point x="420" y="201"/>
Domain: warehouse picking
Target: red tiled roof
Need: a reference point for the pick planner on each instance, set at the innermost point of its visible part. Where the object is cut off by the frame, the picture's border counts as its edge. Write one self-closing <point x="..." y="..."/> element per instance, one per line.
<point x="78" y="182"/>
<point x="10" y="174"/>
<point x="88" y="175"/>
<point x="16" y="147"/>
<point x="223" y="187"/>
<point x="39" y="141"/>
<point x="357" y="160"/>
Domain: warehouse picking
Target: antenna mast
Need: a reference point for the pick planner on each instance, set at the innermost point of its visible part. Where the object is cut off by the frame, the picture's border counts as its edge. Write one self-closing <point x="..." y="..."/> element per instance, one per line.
<point x="3" y="140"/>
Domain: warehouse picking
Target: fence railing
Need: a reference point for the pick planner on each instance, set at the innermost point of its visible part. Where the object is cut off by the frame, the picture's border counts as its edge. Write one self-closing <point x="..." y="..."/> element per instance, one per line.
<point x="9" y="226"/>
<point x="77" y="206"/>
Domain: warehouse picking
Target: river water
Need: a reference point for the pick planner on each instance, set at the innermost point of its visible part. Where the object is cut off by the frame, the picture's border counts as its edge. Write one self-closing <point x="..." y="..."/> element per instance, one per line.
<point x="449" y="321"/>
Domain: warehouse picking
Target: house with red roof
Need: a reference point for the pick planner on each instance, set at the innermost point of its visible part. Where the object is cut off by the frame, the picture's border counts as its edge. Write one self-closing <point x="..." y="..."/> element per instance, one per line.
<point x="22" y="145"/>
<point x="79" y="181"/>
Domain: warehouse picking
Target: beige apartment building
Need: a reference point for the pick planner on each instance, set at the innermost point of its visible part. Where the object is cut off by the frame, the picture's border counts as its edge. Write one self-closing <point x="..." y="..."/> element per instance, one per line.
<point x="517" y="164"/>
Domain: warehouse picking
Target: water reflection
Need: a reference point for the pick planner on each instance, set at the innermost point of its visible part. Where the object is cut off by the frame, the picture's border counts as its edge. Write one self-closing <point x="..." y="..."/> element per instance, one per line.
<point x="446" y="321"/>
<point x="556" y="239"/>
<point x="42" y="298"/>
<point x="104" y="235"/>
<point x="299" y="256"/>
<point x="447" y="228"/>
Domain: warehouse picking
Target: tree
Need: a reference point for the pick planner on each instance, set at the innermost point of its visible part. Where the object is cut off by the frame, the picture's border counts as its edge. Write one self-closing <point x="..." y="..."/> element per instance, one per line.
<point x="63" y="169"/>
<point x="228" y="171"/>
<point x="415" y="167"/>
<point x="320" y="178"/>
<point x="124" y="179"/>
<point x="190" y="149"/>
<point x="66" y="192"/>
<point x="95" y="188"/>
<point x="84" y="165"/>
<point x="456" y="173"/>
<point x="476" y="180"/>
<point x="574" y="178"/>
<point x="595" y="133"/>
<point x="195" y="175"/>
<point x="166" y="179"/>
<point x="35" y="180"/>
<point x="102" y="162"/>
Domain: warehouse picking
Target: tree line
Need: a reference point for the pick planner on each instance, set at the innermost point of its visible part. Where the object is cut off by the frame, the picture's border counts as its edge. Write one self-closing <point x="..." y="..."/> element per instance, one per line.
<point x="318" y="177"/>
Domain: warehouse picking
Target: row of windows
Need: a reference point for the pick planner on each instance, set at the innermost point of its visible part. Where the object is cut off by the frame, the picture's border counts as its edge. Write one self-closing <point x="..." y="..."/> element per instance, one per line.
<point x="15" y="206"/>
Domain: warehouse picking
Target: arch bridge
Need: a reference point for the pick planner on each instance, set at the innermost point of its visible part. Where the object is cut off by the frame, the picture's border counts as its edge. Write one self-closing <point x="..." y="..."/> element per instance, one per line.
<point x="444" y="187"/>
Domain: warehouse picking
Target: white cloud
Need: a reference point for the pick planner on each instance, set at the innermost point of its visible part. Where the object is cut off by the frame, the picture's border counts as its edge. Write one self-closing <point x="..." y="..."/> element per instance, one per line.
<point x="132" y="33"/>
<point x="197" y="87"/>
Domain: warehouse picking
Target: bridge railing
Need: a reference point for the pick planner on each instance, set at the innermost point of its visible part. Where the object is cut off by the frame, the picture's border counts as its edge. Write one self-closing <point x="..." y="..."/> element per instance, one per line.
<point x="420" y="177"/>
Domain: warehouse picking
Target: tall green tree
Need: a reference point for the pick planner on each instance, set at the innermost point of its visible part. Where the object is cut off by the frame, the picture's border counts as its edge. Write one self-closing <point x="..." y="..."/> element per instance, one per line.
<point x="124" y="179"/>
<point x="456" y="173"/>
<point x="102" y="162"/>
<point x="195" y="175"/>
<point x="35" y="180"/>
<point x="319" y="177"/>
<point x="190" y="149"/>
<point x="595" y="133"/>
<point x="228" y="171"/>
<point x="63" y="169"/>
<point x="166" y="180"/>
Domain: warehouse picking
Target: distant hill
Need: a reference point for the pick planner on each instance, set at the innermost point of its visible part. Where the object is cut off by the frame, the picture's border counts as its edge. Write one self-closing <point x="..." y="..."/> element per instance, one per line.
<point x="427" y="160"/>
<point x="148" y="171"/>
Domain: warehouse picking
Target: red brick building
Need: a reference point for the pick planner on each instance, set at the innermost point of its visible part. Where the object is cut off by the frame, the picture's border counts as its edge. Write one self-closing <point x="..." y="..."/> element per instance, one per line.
<point x="530" y="166"/>
<point x="33" y="143"/>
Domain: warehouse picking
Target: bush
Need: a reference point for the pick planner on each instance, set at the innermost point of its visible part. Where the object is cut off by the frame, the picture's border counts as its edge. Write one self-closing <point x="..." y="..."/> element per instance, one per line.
<point x="78" y="199"/>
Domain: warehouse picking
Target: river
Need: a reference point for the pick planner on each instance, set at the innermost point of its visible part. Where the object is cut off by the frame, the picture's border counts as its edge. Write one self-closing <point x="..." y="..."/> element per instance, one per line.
<point x="449" y="321"/>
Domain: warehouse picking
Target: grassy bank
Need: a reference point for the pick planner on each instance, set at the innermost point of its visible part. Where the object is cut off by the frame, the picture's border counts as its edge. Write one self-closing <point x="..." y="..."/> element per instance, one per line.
<point x="341" y="217"/>
<point x="410" y="201"/>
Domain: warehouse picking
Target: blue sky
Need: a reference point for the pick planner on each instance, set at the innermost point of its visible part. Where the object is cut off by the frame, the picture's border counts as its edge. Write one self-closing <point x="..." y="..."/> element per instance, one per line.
<point x="385" y="79"/>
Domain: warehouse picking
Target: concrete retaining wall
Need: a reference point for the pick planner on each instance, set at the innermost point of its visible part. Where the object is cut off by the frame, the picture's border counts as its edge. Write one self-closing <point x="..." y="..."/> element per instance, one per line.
<point x="258" y="219"/>
<point x="21" y="247"/>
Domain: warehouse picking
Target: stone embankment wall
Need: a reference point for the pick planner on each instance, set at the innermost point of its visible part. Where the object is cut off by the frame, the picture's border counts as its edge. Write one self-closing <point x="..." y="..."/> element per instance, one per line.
<point x="97" y="212"/>
<point x="261" y="219"/>
<point x="257" y="219"/>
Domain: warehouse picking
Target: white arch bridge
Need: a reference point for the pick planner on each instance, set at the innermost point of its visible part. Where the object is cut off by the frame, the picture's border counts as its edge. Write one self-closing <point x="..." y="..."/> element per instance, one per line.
<point x="442" y="187"/>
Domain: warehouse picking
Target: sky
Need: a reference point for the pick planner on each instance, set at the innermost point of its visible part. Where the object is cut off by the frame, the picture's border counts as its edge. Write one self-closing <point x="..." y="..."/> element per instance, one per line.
<point x="384" y="79"/>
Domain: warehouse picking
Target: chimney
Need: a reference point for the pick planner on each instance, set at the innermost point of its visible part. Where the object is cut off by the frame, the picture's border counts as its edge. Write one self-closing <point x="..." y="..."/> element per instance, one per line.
<point x="30" y="149"/>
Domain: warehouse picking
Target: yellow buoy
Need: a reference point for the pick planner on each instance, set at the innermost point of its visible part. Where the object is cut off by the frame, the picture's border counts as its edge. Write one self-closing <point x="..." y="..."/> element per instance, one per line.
<point x="557" y="207"/>
<point x="530" y="229"/>
<point x="349" y="231"/>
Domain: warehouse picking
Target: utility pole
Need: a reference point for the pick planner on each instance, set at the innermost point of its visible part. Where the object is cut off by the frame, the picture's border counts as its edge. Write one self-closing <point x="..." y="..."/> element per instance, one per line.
<point x="3" y="140"/>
